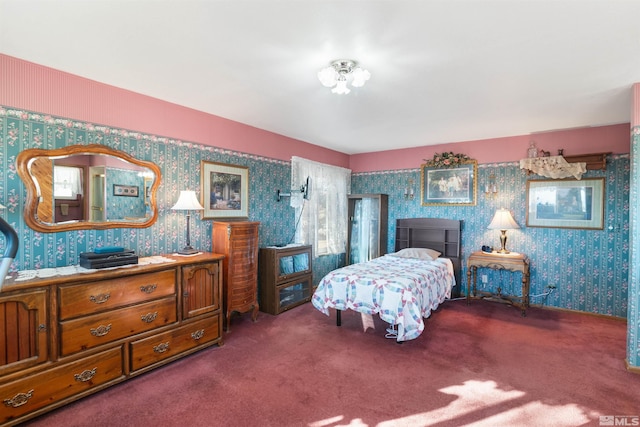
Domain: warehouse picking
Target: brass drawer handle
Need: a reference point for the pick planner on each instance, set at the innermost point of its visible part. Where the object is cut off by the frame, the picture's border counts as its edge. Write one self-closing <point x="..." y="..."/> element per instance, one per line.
<point x="161" y="348"/>
<point x="18" y="400"/>
<point x="101" y="330"/>
<point x="149" y="317"/>
<point x="100" y="299"/>
<point x="197" y="334"/>
<point x="148" y="289"/>
<point x="85" y="376"/>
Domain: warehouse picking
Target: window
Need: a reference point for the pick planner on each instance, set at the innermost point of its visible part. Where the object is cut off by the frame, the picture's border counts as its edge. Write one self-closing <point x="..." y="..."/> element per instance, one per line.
<point x="67" y="182"/>
<point x="322" y="218"/>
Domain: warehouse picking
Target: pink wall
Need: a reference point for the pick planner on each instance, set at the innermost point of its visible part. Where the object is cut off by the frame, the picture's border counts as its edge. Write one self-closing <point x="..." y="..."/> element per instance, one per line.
<point x="33" y="87"/>
<point x="614" y="139"/>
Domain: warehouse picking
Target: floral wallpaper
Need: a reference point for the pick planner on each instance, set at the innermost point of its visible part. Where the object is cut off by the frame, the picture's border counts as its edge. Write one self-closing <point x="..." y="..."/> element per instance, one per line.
<point x="121" y="207"/>
<point x="179" y="162"/>
<point x="590" y="268"/>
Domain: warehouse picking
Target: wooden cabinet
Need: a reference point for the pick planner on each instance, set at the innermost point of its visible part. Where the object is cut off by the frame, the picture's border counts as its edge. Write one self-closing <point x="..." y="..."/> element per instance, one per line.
<point x="24" y="330"/>
<point x="367" y="227"/>
<point x="69" y="336"/>
<point x="286" y="275"/>
<point x="238" y="242"/>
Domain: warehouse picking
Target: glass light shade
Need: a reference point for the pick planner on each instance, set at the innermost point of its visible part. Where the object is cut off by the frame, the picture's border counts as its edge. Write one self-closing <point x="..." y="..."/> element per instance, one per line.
<point x="503" y="220"/>
<point x="360" y="76"/>
<point x="328" y="77"/>
<point x="341" y="87"/>
<point x="187" y="202"/>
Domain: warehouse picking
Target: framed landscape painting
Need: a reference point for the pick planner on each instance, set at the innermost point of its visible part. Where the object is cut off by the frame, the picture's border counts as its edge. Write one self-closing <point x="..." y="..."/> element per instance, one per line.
<point x="225" y="191"/>
<point x="442" y="186"/>
<point x="566" y="203"/>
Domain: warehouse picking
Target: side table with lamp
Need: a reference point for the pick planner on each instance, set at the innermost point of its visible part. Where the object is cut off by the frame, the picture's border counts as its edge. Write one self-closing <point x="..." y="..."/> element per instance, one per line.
<point x="500" y="260"/>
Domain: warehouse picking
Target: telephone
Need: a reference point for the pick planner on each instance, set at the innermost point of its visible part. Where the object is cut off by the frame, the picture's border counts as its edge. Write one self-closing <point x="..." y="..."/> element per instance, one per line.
<point x="487" y="249"/>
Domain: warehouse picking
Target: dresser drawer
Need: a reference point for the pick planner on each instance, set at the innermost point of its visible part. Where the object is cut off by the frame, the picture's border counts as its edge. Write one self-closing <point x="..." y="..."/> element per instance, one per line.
<point x="150" y="350"/>
<point x="89" y="298"/>
<point x="90" y="331"/>
<point x="39" y="390"/>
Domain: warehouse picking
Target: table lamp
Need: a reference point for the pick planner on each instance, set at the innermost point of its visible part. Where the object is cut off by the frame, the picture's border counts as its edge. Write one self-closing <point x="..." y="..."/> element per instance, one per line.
<point x="503" y="221"/>
<point x="187" y="202"/>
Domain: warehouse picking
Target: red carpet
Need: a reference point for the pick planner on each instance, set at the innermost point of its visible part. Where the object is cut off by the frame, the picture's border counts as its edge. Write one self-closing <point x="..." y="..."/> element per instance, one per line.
<point x="480" y="365"/>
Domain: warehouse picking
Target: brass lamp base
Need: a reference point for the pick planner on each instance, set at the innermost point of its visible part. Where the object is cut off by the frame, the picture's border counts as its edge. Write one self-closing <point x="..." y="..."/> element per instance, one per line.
<point x="503" y="242"/>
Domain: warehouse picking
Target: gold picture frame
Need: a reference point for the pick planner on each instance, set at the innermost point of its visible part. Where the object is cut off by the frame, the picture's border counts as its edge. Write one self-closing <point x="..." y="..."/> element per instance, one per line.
<point x="450" y="186"/>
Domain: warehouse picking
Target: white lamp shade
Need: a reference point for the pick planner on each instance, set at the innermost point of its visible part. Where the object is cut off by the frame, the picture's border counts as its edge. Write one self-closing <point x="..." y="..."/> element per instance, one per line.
<point x="188" y="201"/>
<point x="503" y="220"/>
<point x="2" y="207"/>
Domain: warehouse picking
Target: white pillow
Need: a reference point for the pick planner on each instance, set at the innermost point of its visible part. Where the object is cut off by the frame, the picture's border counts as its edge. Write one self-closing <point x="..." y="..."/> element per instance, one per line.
<point x="420" y="253"/>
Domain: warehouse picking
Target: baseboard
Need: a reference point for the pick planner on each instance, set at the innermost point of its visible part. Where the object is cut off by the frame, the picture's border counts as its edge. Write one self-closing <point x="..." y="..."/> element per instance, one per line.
<point x="632" y="369"/>
<point x="568" y="310"/>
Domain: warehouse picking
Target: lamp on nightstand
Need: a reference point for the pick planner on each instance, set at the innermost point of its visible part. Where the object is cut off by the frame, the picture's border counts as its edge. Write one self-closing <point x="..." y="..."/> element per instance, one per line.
<point x="187" y="202"/>
<point x="503" y="221"/>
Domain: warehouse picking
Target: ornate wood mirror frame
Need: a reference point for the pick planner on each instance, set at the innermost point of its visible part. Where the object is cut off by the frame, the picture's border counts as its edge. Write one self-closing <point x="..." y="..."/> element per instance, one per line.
<point x="45" y="213"/>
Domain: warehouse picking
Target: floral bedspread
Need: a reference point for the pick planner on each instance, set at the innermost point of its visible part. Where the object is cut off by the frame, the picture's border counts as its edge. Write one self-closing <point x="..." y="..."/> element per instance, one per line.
<point x="402" y="291"/>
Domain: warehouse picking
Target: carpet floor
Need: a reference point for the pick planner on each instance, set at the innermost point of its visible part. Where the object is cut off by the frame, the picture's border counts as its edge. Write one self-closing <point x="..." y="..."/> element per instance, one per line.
<point x="474" y="365"/>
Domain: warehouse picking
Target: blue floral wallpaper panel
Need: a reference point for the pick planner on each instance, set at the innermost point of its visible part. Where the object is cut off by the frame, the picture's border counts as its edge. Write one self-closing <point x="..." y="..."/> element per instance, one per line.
<point x="590" y="268"/>
<point x="179" y="162"/>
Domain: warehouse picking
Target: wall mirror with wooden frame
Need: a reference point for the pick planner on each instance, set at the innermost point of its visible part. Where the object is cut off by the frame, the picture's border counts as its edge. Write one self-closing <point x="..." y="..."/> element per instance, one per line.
<point x="87" y="187"/>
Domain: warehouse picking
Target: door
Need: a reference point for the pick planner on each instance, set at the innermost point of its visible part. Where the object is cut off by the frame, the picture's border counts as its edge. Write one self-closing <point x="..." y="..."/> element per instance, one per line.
<point x="97" y="193"/>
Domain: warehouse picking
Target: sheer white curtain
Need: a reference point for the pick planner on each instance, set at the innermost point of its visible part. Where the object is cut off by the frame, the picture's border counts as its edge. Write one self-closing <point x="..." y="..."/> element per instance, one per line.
<point x="67" y="182"/>
<point x="322" y="218"/>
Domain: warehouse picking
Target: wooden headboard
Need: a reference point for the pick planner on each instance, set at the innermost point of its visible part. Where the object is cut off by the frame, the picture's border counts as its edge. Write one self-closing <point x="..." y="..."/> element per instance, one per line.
<point x="440" y="234"/>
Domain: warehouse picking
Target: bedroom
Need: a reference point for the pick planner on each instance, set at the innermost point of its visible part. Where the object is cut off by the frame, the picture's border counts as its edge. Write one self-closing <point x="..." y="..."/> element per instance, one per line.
<point x="68" y="96"/>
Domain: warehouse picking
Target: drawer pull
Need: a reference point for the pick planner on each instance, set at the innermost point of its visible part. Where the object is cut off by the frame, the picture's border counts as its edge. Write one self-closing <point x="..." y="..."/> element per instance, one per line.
<point x="148" y="289"/>
<point x="100" y="299"/>
<point x="161" y="348"/>
<point x="85" y="376"/>
<point x="197" y="334"/>
<point x="18" y="400"/>
<point x="149" y="317"/>
<point x="101" y="330"/>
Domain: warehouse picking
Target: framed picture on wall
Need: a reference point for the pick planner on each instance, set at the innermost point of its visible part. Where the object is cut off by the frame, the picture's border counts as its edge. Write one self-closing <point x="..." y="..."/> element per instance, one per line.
<point x="566" y="203"/>
<point x="125" y="190"/>
<point x="443" y="186"/>
<point x="225" y="190"/>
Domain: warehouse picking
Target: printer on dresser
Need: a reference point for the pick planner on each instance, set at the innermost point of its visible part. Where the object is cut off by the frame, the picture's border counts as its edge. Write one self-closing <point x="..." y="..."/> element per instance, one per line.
<point x="67" y="336"/>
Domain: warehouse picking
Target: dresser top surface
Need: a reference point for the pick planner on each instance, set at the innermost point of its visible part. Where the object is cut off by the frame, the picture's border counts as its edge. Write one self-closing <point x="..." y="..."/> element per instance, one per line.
<point x="57" y="276"/>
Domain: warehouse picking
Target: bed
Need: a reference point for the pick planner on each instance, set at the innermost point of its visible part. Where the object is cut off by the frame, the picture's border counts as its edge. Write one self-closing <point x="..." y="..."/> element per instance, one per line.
<point x="405" y="287"/>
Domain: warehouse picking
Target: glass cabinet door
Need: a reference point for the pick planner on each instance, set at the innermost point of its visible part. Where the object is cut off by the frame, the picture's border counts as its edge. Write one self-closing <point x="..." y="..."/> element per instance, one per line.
<point x="367" y="227"/>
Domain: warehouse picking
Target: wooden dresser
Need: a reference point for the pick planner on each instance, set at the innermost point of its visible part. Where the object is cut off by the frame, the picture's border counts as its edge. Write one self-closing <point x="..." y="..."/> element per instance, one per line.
<point x="238" y="242"/>
<point x="65" y="337"/>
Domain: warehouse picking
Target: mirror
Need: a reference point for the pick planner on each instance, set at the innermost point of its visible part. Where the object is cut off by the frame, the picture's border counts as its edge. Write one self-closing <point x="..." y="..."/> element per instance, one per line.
<point x="87" y="187"/>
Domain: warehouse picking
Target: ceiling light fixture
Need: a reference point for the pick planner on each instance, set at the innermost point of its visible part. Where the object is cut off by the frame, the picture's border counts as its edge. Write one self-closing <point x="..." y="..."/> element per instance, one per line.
<point x="339" y="72"/>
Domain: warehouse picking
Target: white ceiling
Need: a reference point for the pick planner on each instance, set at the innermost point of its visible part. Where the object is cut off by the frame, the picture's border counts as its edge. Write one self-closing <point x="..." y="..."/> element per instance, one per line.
<point x="442" y="71"/>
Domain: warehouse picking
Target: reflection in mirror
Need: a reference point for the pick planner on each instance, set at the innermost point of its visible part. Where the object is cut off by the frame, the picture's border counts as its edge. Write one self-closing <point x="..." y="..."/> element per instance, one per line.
<point x="87" y="186"/>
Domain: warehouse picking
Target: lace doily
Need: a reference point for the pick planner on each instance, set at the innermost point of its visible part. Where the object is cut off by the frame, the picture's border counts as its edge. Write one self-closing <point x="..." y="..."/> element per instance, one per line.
<point x="554" y="167"/>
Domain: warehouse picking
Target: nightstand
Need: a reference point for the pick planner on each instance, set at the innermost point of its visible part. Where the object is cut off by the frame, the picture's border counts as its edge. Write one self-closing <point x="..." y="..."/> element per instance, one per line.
<point x="514" y="262"/>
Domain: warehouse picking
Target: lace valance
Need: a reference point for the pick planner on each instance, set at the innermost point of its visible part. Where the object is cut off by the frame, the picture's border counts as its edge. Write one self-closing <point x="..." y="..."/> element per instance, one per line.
<point x="554" y="167"/>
